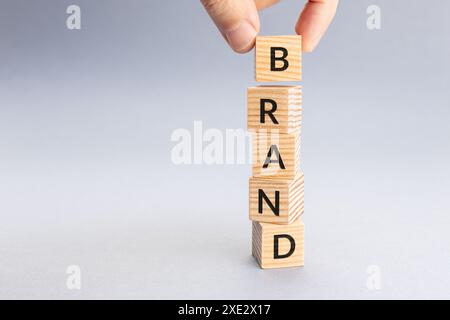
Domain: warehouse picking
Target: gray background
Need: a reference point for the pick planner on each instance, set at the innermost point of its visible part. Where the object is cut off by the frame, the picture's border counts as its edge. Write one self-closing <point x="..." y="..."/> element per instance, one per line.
<point x="86" y="176"/>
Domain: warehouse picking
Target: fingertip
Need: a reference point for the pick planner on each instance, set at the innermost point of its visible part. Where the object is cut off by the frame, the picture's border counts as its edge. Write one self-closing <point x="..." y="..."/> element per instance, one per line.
<point x="308" y="46"/>
<point x="242" y="38"/>
<point x="313" y="22"/>
<point x="244" y="49"/>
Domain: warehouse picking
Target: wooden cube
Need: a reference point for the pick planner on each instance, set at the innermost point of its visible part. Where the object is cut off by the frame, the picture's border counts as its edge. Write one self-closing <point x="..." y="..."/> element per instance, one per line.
<point x="276" y="201"/>
<point x="278" y="246"/>
<point x="274" y="108"/>
<point x="275" y="155"/>
<point x="278" y="58"/>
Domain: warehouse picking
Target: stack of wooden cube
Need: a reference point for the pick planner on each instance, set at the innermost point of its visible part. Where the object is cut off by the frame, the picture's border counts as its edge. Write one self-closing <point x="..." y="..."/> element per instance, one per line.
<point x="276" y="185"/>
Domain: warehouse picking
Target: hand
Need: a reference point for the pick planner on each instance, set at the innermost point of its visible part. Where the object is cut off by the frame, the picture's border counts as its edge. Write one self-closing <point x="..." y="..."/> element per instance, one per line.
<point x="238" y="21"/>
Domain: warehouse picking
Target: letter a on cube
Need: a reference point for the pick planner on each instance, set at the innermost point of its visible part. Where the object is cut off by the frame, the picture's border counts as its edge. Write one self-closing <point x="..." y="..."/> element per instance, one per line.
<point x="275" y="155"/>
<point x="278" y="58"/>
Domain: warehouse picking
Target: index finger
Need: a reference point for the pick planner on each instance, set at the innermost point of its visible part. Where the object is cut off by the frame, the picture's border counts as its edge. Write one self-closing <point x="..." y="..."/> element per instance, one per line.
<point x="314" y="21"/>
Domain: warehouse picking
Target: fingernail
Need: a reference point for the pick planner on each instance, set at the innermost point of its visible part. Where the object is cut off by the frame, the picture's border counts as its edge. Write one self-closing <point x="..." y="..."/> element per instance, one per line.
<point x="242" y="37"/>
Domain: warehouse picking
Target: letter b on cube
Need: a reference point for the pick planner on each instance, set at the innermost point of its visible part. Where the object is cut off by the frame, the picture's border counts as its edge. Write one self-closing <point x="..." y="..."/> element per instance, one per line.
<point x="278" y="58"/>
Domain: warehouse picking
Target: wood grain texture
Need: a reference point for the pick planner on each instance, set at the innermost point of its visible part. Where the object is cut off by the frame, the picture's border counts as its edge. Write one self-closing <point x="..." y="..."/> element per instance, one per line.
<point x="293" y="45"/>
<point x="288" y="111"/>
<point x="263" y="244"/>
<point x="291" y="199"/>
<point x="288" y="146"/>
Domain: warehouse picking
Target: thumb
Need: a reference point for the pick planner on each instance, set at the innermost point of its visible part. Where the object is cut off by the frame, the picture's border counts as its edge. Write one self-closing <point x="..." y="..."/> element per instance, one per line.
<point x="237" y="21"/>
